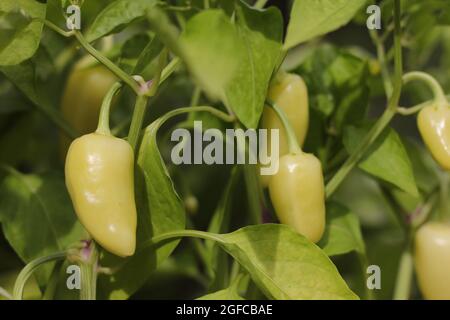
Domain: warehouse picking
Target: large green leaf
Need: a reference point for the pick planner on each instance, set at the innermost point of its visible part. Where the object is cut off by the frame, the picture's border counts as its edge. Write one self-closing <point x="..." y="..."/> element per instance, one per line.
<point x="117" y="15"/>
<point x="37" y="216"/>
<point x="159" y="211"/>
<point x="312" y="18"/>
<point x="342" y="232"/>
<point x="212" y="50"/>
<point x="284" y="264"/>
<point x="20" y="32"/>
<point x="386" y="159"/>
<point x="261" y="33"/>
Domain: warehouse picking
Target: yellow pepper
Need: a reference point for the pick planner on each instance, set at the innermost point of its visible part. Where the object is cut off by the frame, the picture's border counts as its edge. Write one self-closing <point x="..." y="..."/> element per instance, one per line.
<point x="297" y="190"/>
<point x="288" y="92"/>
<point x="433" y="120"/>
<point x="82" y="97"/>
<point x="100" y="179"/>
<point x="297" y="194"/>
<point x="432" y="260"/>
<point x="434" y="126"/>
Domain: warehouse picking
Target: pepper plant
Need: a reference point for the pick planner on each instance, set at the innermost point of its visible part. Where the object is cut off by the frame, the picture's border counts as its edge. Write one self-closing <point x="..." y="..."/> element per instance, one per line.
<point x="98" y="202"/>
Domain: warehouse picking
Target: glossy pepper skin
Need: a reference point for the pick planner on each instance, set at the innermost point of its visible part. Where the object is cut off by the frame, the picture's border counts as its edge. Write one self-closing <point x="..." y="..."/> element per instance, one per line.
<point x="434" y="126"/>
<point x="288" y="92"/>
<point x="432" y="260"/>
<point x="100" y="180"/>
<point x="82" y="97"/>
<point x="298" y="196"/>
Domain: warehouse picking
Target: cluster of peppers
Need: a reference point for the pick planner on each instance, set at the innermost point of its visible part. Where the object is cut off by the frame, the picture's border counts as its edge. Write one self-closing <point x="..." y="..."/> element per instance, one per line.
<point x="99" y="171"/>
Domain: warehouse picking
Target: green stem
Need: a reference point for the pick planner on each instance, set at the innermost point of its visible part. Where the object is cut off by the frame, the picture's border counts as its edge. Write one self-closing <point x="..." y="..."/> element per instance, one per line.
<point x="412" y="110"/>
<point x="169" y="69"/>
<point x="260" y="4"/>
<point x="142" y="101"/>
<point x="363" y="262"/>
<point x="88" y="266"/>
<point x="173" y="235"/>
<point x="348" y="165"/>
<point x="103" y="120"/>
<point x="439" y="96"/>
<point x="293" y="144"/>
<point x="381" y="54"/>
<point x="137" y="120"/>
<point x="107" y="63"/>
<point x="384" y="120"/>
<point x="96" y="54"/>
<point x="404" y="275"/>
<point x="5" y="294"/>
<point x="195" y="96"/>
<point x="28" y="270"/>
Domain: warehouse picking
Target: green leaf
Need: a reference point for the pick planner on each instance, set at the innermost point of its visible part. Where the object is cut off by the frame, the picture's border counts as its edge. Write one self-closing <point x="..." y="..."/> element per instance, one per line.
<point x="37" y="216"/>
<point x="160" y="210"/>
<point x="261" y="33"/>
<point x="212" y="50"/>
<point x="337" y="84"/>
<point x="386" y="159"/>
<point x="118" y="15"/>
<point x="20" y="34"/>
<point x="150" y="52"/>
<point x="284" y="264"/>
<point x="219" y="223"/>
<point x="310" y="19"/>
<point x="342" y="232"/>
<point x="231" y="62"/>
<point x="225" y="294"/>
<point x="426" y="171"/>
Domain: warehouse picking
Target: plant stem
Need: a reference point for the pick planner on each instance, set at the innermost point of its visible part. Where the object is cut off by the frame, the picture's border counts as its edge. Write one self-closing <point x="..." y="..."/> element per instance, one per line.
<point x="107" y="63"/>
<point x="137" y="120"/>
<point x="5" y="294"/>
<point x="294" y="147"/>
<point x="142" y="100"/>
<point x="28" y="270"/>
<point x="383" y="121"/>
<point x="88" y="266"/>
<point x="381" y="54"/>
<point x="363" y="262"/>
<point x="404" y="275"/>
<point x="260" y="4"/>
<point x="439" y="96"/>
<point x="173" y="235"/>
<point x="103" y="120"/>
<point x="169" y="69"/>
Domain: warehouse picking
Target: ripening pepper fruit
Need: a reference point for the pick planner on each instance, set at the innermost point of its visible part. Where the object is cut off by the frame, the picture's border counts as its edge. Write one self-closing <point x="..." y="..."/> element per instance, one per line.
<point x="298" y="196"/>
<point x="432" y="260"/>
<point x="434" y="126"/>
<point x="82" y="97"/>
<point x="288" y="92"/>
<point x="99" y="174"/>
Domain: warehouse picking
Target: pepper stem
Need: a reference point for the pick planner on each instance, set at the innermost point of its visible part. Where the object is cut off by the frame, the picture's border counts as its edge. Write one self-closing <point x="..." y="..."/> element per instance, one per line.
<point x="439" y="96"/>
<point x="103" y="120"/>
<point x="293" y="144"/>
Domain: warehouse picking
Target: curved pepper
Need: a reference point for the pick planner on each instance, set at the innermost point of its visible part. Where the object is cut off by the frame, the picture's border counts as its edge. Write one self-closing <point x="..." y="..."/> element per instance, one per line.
<point x="434" y="126"/>
<point x="100" y="179"/>
<point x="432" y="260"/>
<point x="298" y="196"/>
<point x="288" y="92"/>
